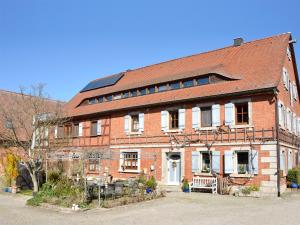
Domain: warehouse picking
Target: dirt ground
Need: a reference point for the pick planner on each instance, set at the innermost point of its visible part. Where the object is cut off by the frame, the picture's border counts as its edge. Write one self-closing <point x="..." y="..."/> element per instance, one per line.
<point x="176" y="208"/>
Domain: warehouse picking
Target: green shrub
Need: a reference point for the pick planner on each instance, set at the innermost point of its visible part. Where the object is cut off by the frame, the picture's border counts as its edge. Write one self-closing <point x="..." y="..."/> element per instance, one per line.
<point x="151" y="183"/>
<point x="63" y="192"/>
<point x="247" y="190"/>
<point x="54" y="176"/>
<point x="294" y="175"/>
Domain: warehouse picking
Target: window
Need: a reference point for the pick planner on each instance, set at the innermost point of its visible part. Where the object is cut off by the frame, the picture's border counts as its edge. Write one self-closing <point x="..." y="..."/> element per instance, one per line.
<point x="288" y="53"/>
<point x="133" y="93"/>
<point x="203" y="80"/>
<point x="242" y="162"/>
<point x="151" y="90"/>
<point x="9" y="124"/>
<point x="129" y="161"/>
<point x="109" y="98"/>
<point x="205" y="163"/>
<point x="173" y="119"/>
<point x="143" y="91"/>
<point x="175" y="85"/>
<point x="68" y="130"/>
<point x="100" y="99"/>
<point x="92" y="101"/>
<point x="93" y="165"/>
<point x="94" y="125"/>
<point x="188" y="83"/>
<point x="117" y="96"/>
<point x="76" y="130"/>
<point x="162" y="88"/>
<point x="134" y="123"/>
<point x="242" y="113"/>
<point x="206" y="116"/>
<point x="125" y="95"/>
<point x="60" y="132"/>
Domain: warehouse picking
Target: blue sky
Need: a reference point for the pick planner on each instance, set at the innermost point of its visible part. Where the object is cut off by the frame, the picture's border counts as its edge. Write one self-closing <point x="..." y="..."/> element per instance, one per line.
<point x="65" y="44"/>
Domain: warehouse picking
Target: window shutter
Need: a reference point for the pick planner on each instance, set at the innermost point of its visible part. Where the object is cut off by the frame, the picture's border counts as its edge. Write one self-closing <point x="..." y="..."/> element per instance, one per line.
<point x="282" y="161"/>
<point x="294" y="123"/>
<point x="229" y="114"/>
<point x="55" y="131"/>
<point x="298" y="126"/>
<point x="253" y="164"/>
<point x="80" y="129"/>
<point x="216" y="160"/>
<point x="181" y="115"/>
<point x="195" y="161"/>
<point x="127" y="124"/>
<point x="196" y="117"/>
<point x="141" y="122"/>
<point x="279" y="110"/>
<point x="215" y="115"/>
<point x="164" y="120"/>
<point x="228" y="156"/>
<point x="290" y="160"/>
<point x="295" y="91"/>
<point x="99" y="127"/>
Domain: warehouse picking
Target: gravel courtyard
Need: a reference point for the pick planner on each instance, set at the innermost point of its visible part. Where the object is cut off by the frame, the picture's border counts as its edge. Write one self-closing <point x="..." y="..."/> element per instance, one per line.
<point x="176" y="208"/>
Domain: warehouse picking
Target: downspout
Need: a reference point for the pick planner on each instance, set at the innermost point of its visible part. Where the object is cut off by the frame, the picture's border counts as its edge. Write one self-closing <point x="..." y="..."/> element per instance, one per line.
<point x="277" y="142"/>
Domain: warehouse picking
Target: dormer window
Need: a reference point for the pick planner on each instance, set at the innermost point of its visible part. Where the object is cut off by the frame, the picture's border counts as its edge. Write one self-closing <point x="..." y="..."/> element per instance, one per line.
<point x="162" y="88"/>
<point x="175" y="85"/>
<point x="151" y="90"/>
<point x="125" y="95"/>
<point x="100" y="99"/>
<point x="188" y="83"/>
<point x="109" y="98"/>
<point x="92" y="101"/>
<point x="203" y="80"/>
<point x="133" y="93"/>
<point x="143" y="91"/>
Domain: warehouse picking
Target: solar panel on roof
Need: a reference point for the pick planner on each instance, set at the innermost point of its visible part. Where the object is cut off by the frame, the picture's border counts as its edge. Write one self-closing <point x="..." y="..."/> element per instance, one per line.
<point x="103" y="82"/>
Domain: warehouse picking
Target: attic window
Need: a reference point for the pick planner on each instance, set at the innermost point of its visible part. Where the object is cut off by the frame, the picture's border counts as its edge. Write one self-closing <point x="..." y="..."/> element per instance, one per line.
<point x="203" y="80"/>
<point x="92" y="101"/>
<point x="188" y="83"/>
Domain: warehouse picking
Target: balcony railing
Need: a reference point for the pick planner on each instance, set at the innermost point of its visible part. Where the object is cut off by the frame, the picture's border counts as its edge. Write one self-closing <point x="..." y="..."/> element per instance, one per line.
<point x="237" y="135"/>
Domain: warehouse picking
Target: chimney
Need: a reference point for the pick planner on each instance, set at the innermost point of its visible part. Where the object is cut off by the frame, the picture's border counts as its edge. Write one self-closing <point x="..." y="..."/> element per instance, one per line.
<point x="238" y="41"/>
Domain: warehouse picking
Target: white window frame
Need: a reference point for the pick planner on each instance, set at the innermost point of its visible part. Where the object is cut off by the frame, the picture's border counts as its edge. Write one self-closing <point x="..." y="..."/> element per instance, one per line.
<point x="235" y="162"/>
<point x="168" y="110"/>
<point x="250" y="113"/>
<point x="201" y="151"/>
<point x="138" y="151"/>
<point x="130" y="123"/>
<point x="209" y="104"/>
<point x="288" y="53"/>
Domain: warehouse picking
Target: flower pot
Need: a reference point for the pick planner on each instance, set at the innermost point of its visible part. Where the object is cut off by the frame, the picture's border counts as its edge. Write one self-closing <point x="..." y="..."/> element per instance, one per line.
<point x="186" y="190"/>
<point x="14" y="189"/>
<point x="148" y="190"/>
<point x="293" y="185"/>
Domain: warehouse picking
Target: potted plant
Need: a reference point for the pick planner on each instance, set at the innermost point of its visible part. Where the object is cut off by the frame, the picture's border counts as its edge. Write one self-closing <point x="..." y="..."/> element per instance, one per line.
<point x="185" y="186"/>
<point x="151" y="185"/>
<point x="11" y="172"/>
<point x="242" y="169"/>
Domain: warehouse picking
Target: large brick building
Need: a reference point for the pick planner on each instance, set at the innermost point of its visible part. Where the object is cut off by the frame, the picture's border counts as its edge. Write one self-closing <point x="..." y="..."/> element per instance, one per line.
<point x="205" y="114"/>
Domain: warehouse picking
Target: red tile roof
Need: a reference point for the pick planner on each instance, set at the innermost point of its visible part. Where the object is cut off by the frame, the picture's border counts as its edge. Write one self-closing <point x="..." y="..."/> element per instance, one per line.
<point x="254" y="65"/>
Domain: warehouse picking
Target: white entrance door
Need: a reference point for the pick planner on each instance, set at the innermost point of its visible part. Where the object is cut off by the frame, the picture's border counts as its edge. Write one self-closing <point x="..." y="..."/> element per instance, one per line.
<point x="174" y="169"/>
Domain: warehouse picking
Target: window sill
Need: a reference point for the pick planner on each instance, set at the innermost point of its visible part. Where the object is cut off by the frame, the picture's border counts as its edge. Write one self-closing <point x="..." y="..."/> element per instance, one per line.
<point x="134" y="133"/>
<point x="205" y="128"/>
<point x="173" y="131"/>
<point x="129" y="171"/>
<point x="203" y="174"/>
<point x="235" y="175"/>
<point x="241" y="126"/>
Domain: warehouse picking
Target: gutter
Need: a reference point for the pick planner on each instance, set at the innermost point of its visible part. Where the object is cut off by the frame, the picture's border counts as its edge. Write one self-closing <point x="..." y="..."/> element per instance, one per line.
<point x="277" y="143"/>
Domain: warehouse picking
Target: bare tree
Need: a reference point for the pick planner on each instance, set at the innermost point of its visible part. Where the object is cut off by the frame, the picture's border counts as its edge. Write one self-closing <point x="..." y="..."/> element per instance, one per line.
<point x="27" y="121"/>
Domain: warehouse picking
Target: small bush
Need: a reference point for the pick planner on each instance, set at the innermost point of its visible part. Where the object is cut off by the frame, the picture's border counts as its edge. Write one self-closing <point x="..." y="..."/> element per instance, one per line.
<point x="151" y="183"/>
<point x="54" y="176"/>
<point x="247" y="190"/>
<point x="294" y="175"/>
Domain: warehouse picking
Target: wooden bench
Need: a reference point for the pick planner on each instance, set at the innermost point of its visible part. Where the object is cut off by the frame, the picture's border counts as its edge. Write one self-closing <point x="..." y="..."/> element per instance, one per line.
<point x="204" y="183"/>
